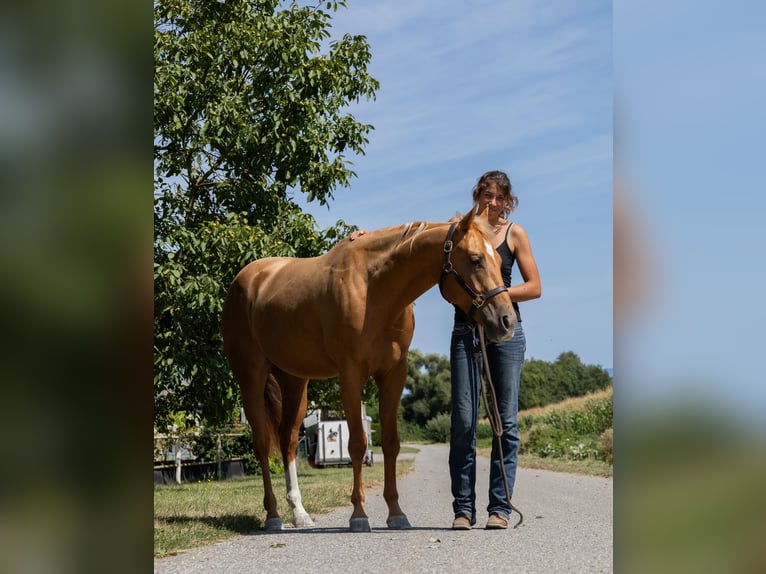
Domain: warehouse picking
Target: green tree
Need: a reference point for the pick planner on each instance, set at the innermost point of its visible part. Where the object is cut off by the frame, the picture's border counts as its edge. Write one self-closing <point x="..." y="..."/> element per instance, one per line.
<point x="325" y="393"/>
<point x="427" y="386"/>
<point x="536" y="388"/>
<point x="544" y="382"/>
<point x="249" y="108"/>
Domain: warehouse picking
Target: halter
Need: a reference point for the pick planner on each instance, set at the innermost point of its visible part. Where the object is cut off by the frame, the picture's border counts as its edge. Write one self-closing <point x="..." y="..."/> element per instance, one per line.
<point x="477" y="301"/>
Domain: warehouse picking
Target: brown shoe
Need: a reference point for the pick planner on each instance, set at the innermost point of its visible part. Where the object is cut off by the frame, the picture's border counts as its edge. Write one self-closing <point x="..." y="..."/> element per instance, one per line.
<point x="496" y="522"/>
<point x="461" y="523"/>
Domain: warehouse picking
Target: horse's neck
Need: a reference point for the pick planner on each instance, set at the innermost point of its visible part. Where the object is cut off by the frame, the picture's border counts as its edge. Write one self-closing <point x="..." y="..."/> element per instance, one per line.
<point x="408" y="261"/>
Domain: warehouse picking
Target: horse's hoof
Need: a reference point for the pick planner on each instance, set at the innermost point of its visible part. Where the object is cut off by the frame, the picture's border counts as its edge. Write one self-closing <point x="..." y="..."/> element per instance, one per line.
<point x="398" y="522"/>
<point x="359" y="525"/>
<point x="273" y="524"/>
<point x="303" y="521"/>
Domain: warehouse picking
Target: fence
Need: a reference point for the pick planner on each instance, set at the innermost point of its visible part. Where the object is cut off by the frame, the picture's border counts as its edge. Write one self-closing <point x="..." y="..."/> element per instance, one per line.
<point x="177" y="462"/>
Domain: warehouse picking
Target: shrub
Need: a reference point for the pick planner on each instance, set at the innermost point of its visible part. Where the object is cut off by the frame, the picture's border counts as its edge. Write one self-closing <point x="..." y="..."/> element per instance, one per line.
<point x="525" y="423"/>
<point x="375" y="434"/>
<point x="580" y="448"/>
<point x="602" y="411"/>
<point x="250" y="463"/>
<point x="238" y="446"/>
<point x="276" y="466"/>
<point x="594" y="418"/>
<point x="438" y="428"/>
<point x="549" y="441"/>
<point x="606" y="446"/>
<point x="411" y="432"/>
<point x="545" y="440"/>
<point x="483" y="430"/>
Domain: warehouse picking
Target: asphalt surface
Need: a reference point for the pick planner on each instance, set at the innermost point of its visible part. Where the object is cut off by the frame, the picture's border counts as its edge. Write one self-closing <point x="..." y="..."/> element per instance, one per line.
<point x="567" y="528"/>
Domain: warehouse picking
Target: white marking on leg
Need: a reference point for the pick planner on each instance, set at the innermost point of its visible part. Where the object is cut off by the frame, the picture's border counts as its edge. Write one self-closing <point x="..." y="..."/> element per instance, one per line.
<point x="302" y="519"/>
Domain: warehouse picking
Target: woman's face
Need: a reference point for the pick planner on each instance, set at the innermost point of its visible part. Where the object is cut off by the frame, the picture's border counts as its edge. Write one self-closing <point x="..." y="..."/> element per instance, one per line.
<point x="493" y="199"/>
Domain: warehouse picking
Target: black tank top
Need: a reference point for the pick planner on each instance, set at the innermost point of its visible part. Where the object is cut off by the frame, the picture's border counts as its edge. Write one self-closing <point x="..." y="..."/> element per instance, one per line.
<point x="508" y="259"/>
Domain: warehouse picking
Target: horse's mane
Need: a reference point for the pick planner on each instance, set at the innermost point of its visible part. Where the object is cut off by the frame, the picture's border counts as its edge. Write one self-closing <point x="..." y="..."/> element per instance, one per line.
<point x="484" y="227"/>
<point x="406" y="228"/>
<point x="408" y="232"/>
<point x="415" y="228"/>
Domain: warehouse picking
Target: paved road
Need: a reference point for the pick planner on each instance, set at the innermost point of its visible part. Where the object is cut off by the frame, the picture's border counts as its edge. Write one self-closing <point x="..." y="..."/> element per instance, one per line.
<point x="567" y="528"/>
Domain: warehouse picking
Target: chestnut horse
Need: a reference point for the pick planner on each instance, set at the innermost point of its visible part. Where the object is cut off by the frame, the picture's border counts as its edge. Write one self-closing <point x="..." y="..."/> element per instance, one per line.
<point x="349" y="313"/>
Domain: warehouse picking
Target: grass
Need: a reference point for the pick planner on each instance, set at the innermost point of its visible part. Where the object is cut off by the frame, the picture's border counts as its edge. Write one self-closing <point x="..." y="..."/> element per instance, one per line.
<point x="191" y="515"/>
<point x="536" y="419"/>
<point x="194" y="514"/>
<point x="573" y="403"/>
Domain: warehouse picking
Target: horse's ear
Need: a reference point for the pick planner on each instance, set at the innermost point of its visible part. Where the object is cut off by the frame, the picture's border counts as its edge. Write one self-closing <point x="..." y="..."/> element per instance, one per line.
<point x="465" y="223"/>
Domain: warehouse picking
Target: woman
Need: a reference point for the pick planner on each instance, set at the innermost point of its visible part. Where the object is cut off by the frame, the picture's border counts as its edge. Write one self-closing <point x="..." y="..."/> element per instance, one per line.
<point x="491" y="193"/>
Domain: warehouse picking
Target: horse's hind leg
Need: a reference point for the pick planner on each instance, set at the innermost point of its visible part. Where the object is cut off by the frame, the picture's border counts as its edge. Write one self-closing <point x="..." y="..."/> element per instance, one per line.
<point x="390" y="389"/>
<point x="294" y="391"/>
<point x="255" y="397"/>
<point x="260" y="393"/>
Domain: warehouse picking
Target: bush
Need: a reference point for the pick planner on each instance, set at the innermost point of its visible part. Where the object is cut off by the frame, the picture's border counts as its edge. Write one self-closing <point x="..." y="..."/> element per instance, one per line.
<point x="438" y="428"/>
<point x="408" y="432"/>
<point x="606" y="446"/>
<point x="580" y="449"/>
<point x="484" y="430"/>
<point x="602" y="412"/>
<point x="411" y="432"/>
<point x="205" y="446"/>
<point x="233" y="447"/>
<point x="545" y="440"/>
<point x="594" y="418"/>
<point x="525" y="423"/>
<point x="250" y="463"/>
<point x="574" y="431"/>
<point x="375" y="434"/>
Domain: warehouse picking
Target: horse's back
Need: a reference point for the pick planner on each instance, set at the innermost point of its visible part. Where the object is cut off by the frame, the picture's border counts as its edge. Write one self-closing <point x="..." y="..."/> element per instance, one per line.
<point x="309" y="316"/>
<point x="281" y="308"/>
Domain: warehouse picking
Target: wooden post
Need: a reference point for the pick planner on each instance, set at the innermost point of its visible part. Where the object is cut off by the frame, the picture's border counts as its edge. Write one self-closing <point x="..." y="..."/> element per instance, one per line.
<point x="218" y="454"/>
<point x="178" y="465"/>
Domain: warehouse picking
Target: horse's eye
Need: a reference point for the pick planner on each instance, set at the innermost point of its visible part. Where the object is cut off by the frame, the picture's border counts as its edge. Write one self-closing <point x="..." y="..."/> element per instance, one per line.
<point x="477" y="261"/>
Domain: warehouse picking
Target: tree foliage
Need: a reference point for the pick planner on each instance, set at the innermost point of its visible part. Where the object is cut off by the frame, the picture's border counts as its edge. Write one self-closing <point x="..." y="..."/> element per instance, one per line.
<point x="250" y="106"/>
<point x="427" y="386"/>
<point x="325" y="393"/>
<point x="543" y="382"/>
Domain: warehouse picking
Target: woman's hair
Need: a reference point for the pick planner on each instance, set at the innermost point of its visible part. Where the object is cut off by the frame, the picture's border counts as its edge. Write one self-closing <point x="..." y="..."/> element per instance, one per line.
<point x="500" y="179"/>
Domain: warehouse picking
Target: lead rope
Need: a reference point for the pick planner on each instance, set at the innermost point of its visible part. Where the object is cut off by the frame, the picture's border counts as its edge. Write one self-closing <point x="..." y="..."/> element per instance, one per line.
<point x="494" y="418"/>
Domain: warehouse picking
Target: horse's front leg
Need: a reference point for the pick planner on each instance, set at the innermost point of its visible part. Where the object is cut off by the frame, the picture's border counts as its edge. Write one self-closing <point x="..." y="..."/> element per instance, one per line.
<point x="351" y="383"/>
<point x="390" y="389"/>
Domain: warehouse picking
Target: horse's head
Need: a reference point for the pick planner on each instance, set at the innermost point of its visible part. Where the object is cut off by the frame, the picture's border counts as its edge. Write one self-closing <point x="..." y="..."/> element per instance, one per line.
<point x="472" y="280"/>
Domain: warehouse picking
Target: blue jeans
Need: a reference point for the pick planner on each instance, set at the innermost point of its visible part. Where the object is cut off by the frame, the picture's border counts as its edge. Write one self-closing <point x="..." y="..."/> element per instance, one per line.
<point x="505" y="362"/>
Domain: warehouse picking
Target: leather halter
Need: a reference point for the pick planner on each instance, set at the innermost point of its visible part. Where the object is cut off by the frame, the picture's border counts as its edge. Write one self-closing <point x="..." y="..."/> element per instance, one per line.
<point x="477" y="301"/>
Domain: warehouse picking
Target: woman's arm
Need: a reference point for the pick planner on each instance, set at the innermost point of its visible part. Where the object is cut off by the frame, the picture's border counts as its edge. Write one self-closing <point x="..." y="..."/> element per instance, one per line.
<point x="531" y="287"/>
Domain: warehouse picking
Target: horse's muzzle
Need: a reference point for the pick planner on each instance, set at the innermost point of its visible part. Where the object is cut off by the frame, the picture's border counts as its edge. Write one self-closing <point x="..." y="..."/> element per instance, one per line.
<point x="500" y="328"/>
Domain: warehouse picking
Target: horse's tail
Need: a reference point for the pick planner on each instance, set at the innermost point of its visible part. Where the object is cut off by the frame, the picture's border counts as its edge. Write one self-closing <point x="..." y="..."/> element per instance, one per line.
<point x="272" y="395"/>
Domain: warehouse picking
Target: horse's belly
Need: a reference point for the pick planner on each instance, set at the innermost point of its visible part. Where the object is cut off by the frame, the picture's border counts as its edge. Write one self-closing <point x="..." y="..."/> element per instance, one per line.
<point x="305" y="368"/>
<point x="296" y="345"/>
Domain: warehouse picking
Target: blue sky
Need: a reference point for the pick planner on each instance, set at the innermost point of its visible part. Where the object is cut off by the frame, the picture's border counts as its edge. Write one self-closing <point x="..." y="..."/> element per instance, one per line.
<point x="690" y="91"/>
<point x="471" y="86"/>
